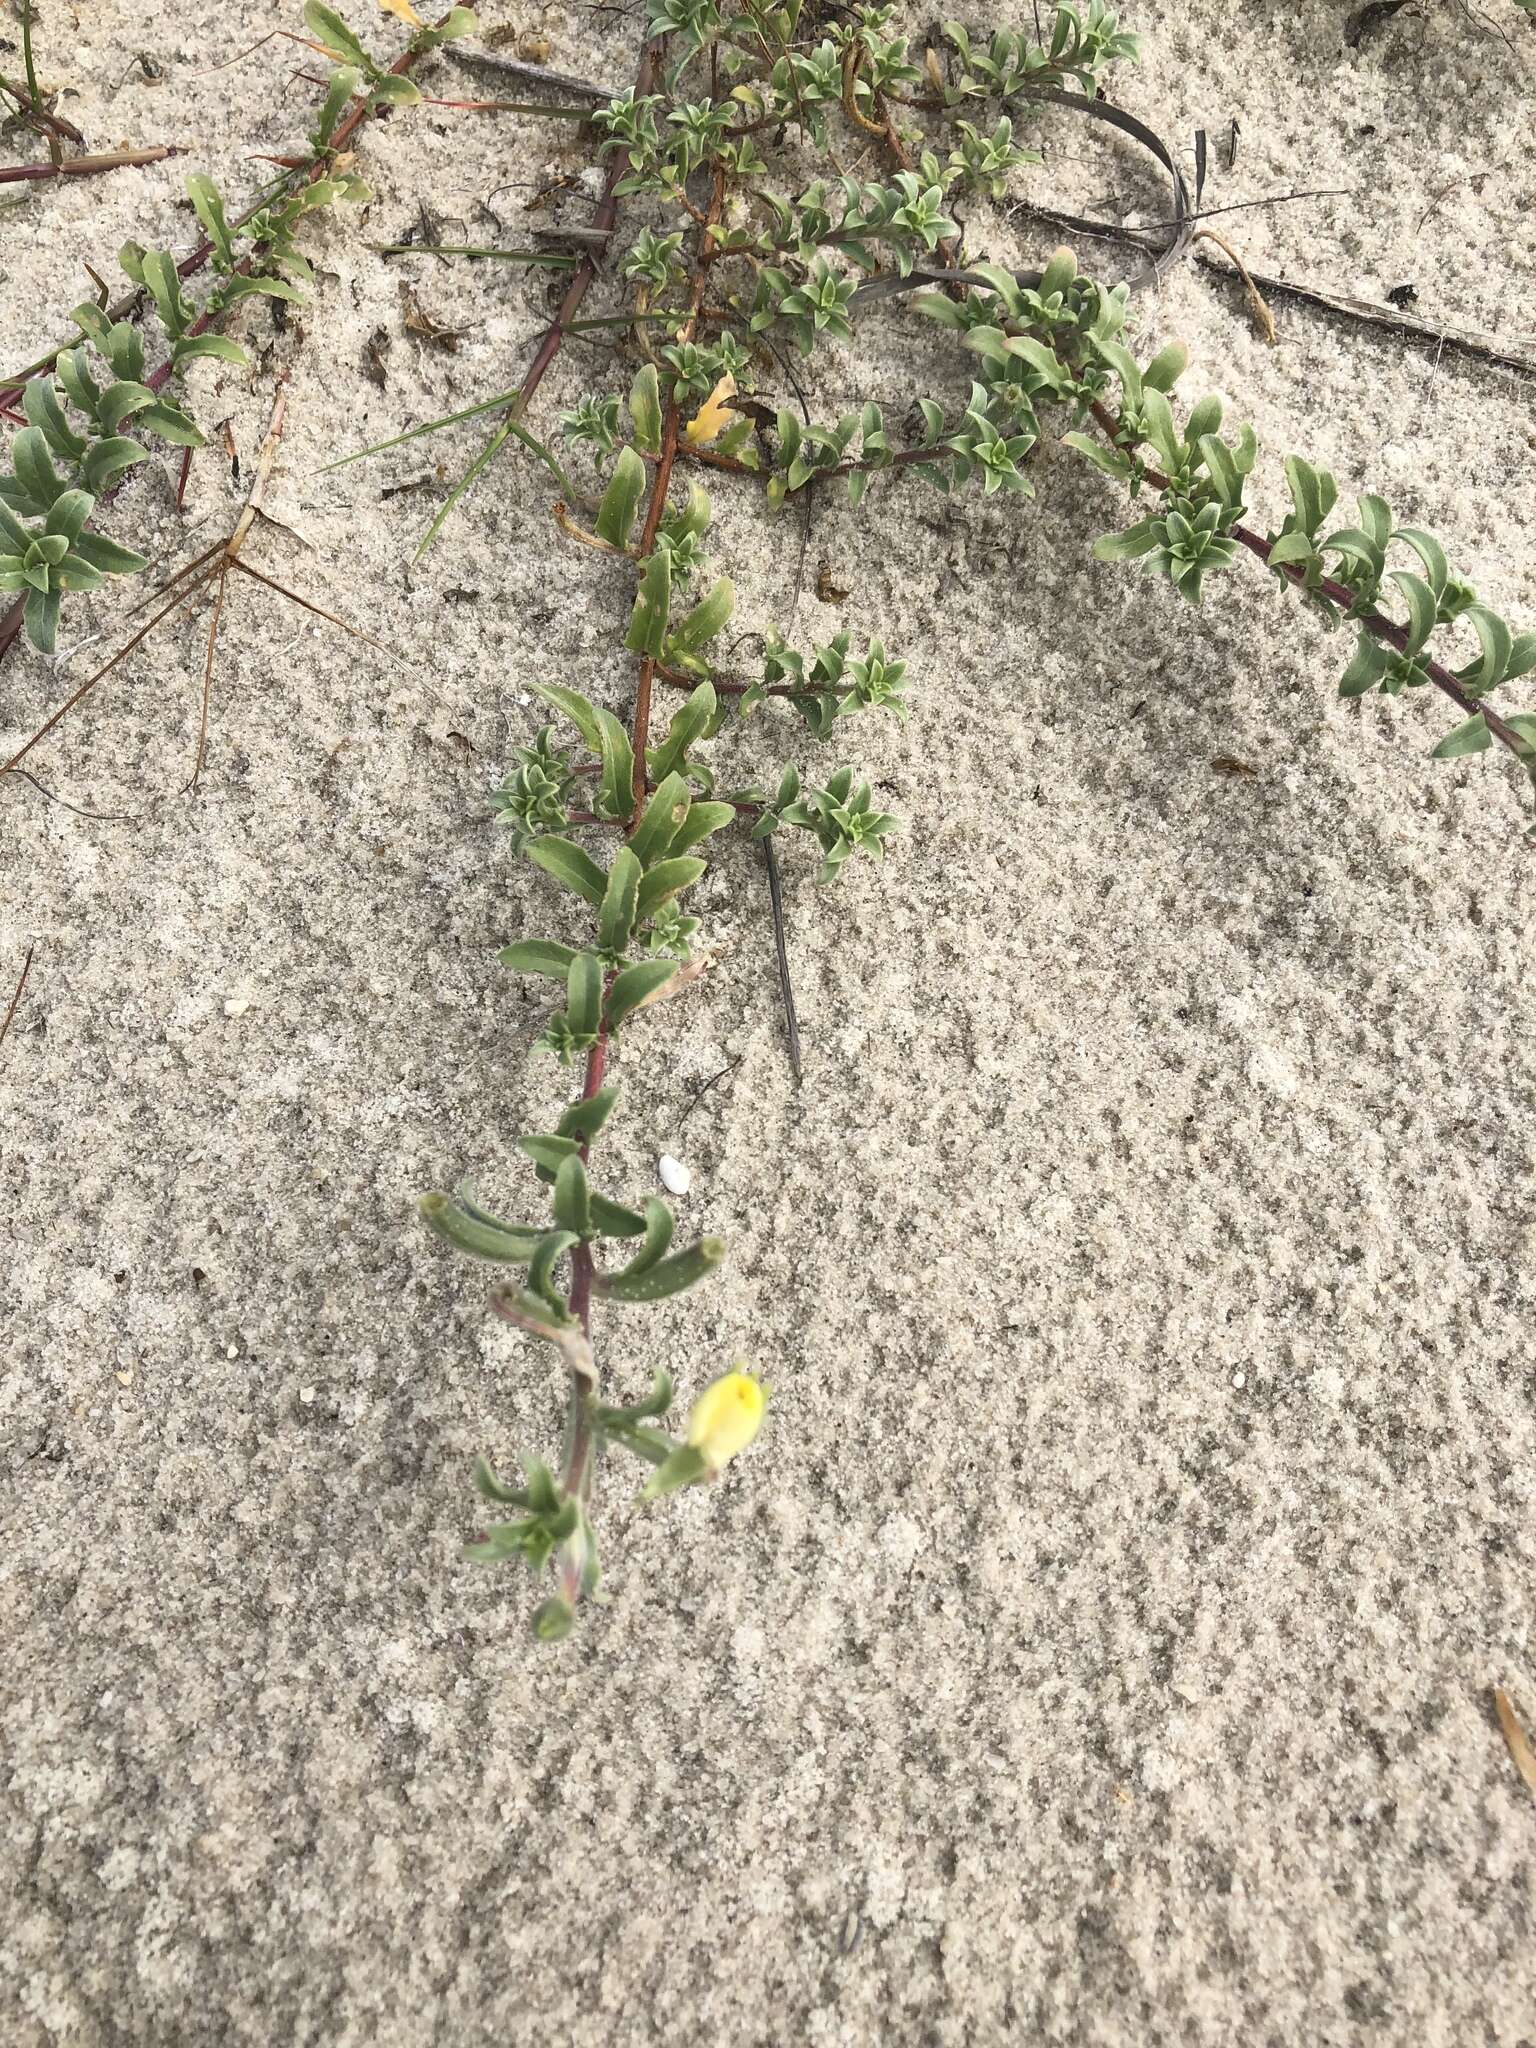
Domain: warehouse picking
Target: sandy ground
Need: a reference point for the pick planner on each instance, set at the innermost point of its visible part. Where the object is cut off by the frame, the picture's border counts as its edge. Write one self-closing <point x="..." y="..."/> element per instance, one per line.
<point x="1096" y="1648"/>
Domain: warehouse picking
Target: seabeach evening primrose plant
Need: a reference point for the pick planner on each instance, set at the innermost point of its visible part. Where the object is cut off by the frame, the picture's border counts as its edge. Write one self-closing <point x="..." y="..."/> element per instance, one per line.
<point x="725" y="273"/>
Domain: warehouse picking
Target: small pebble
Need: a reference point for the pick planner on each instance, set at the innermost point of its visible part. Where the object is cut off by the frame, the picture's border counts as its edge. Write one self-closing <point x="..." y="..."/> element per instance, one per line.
<point x="1239" y="1379"/>
<point x="675" y="1177"/>
<point x="237" y="1006"/>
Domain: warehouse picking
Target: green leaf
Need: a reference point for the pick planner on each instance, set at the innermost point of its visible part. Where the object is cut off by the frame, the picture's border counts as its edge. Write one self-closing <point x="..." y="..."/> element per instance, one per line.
<point x="584" y="1119"/>
<point x="616" y="919"/>
<point x="667" y="1277"/>
<point x="237" y="288"/>
<point x="1139" y="539"/>
<point x="68" y="514"/>
<point x="645" y="410"/>
<point x="1376" y="518"/>
<point x="1112" y="461"/>
<point x="688" y="725"/>
<point x="109" y="557"/>
<point x="616" y="791"/>
<point x="632" y="986"/>
<point x="653" y="600"/>
<point x="1429" y="551"/>
<point x="107" y="458"/>
<point x="664" y="1278"/>
<point x="1366" y="670"/>
<point x="1204" y="420"/>
<point x="666" y="879"/>
<point x="581" y="713"/>
<point x="547" y="1153"/>
<point x="573" y="1198"/>
<point x="342" y="86"/>
<point x="1471" y="737"/>
<point x="584" y="995"/>
<point x="502" y="1244"/>
<point x="656" y="1402"/>
<point x="680" y="1469"/>
<point x="701" y="821"/>
<point x="571" y="867"/>
<point x="706" y="619"/>
<point x="659" y="1225"/>
<point x="327" y="27"/>
<point x="119" y="402"/>
<point x="538" y="956"/>
<point x="209" y="208"/>
<point x="1422" y="607"/>
<point x="218" y="345"/>
<point x="660" y="823"/>
<point x="612" y="1219"/>
<point x="552" y="1247"/>
<point x="1159" y="429"/>
<point x="1223" y="468"/>
<point x="491" y="1488"/>
<point x="1291" y="547"/>
<point x="1165" y="368"/>
<point x="620" y="505"/>
<point x="164" y="286"/>
<point x="1498" y="644"/>
<point x="1522" y="656"/>
<point x="41" y="405"/>
<point x="41" y="619"/>
<point x="34" y="470"/>
<point x="171" y="424"/>
<point x="391" y="90"/>
<point x="1314" y="493"/>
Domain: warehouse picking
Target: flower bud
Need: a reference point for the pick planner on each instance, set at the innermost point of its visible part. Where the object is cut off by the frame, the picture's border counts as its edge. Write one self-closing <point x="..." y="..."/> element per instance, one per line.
<point x="726" y="1417"/>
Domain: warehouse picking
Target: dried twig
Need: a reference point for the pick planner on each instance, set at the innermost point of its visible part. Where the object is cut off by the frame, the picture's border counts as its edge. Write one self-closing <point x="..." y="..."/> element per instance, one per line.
<point x="26" y="969"/>
<point x="781" y="949"/>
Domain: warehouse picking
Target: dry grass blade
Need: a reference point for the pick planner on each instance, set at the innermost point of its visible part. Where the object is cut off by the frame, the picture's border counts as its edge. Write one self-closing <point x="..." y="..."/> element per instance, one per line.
<point x="1519" y="1743"/>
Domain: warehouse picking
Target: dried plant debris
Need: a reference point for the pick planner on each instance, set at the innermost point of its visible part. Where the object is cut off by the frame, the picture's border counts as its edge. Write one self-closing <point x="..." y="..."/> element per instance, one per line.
<point x="1524" y="1757"/>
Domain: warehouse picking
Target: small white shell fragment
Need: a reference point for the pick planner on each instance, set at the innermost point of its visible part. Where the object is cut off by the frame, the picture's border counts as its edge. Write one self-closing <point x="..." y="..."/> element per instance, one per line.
<point x="675" y="1177"/>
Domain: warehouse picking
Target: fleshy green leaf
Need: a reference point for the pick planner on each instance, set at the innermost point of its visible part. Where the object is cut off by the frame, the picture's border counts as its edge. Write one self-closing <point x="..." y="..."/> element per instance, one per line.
<point x="620" y="505"/>
<point x="667" y="1277"/>
<point x="1471" y="737"/>
<point x="503" y="1244"/>
<point x="571" y="867"/>
<point x="538" y="956"/>
<point x="632" y="986"/>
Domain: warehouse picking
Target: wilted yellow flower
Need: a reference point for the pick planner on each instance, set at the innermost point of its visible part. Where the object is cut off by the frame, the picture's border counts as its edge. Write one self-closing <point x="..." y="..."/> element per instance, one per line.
<point x="726" y="1417"/>
<point x="714" y="415"/>
<point x="404" y="9"/>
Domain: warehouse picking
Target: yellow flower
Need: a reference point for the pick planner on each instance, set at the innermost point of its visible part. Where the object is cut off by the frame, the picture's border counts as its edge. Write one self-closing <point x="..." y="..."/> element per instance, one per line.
<point x="404" y="9"/>
<point x="726" y="1417"/>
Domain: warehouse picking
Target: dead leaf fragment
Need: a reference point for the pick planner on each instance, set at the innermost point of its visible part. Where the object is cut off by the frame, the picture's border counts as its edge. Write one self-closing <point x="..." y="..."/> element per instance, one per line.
<point x="828" y="591"/>
<point x="1229" y="765"/>
<point x="375" y="348"/>
<point x="419" y="321"/>
<point x="1519" y="1744"/>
